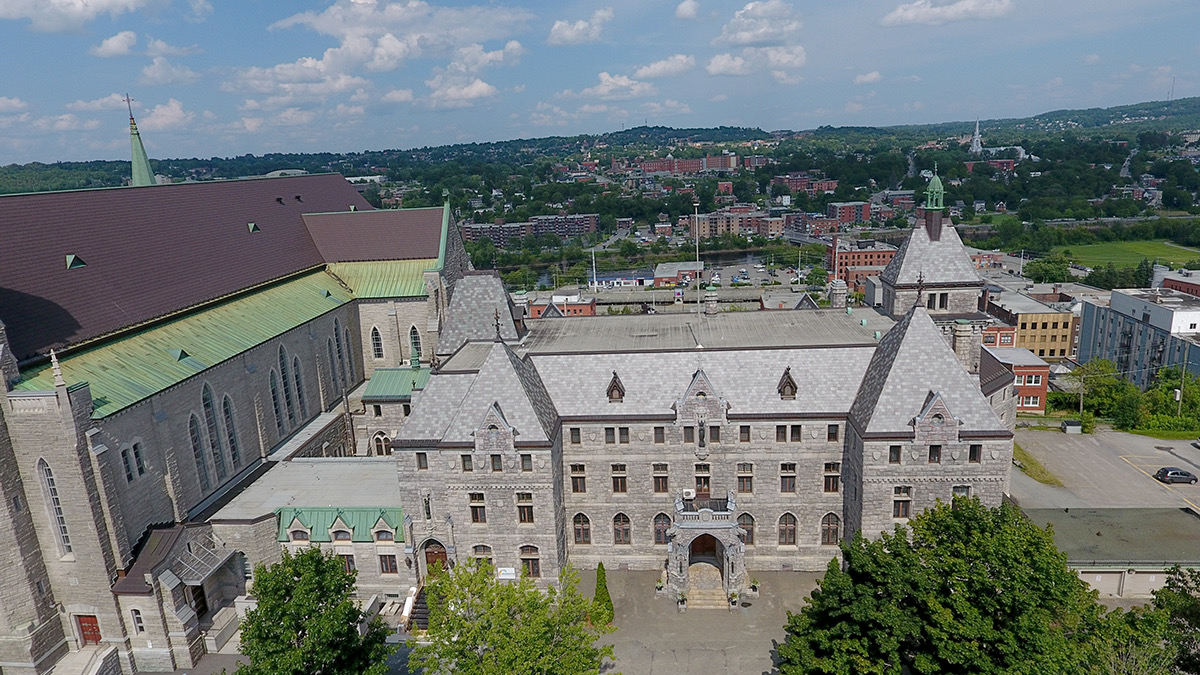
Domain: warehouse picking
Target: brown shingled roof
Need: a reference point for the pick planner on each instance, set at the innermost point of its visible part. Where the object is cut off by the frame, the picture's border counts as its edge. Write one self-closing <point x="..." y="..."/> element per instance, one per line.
<point x="407" y="234"/>
<point x="149" y="251"/>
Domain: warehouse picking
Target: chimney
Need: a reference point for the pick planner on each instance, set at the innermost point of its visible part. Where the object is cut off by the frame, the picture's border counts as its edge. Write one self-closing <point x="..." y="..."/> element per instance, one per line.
<point x="933" y="224"/>
<point x="710" y="303"/>
<point x="964" y="345"/>
<point x="837" y="294"/>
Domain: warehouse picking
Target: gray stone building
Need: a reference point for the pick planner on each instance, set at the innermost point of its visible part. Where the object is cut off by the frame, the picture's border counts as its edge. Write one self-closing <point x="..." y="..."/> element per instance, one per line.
<point x="162" y="347"/>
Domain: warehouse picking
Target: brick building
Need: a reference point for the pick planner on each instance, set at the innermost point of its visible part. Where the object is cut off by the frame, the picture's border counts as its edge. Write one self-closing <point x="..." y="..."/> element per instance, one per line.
<point x="855" y="261"/>
<point x="1031" y="376"/>
<point x="566" y="226"/>
<point x="849" y="213"/>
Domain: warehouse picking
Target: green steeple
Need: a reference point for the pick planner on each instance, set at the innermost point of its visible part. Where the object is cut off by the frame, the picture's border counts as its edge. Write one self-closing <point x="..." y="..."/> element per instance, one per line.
<point x="142" y="175"/>
<point x="934" y="193"/>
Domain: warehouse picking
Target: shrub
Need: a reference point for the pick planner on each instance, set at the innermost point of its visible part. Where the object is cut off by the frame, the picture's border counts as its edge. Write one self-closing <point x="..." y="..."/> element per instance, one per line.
<point x="1088" y="421"/>
<point x="602" y="606"/>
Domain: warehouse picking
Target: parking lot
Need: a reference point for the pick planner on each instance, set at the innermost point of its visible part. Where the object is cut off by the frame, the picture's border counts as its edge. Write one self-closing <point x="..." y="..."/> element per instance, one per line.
<point x="1107" y="469"/>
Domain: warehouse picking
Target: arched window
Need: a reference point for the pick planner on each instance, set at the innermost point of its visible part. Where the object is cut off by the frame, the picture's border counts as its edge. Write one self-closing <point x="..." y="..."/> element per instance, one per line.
<point x="787" y="530"/>
<point x="235" y="450"/>
<point x="299" y="387"/>
<point x="383" y="444"/>
<point x="350" y="370"/>
<point x="287" y="386"/>
<point x="621" y="529"/>
<point x="198" y="451"/>
<point x="530" y="561"/>
<point x="583" y="529"/>
<point x="214" y="438"/>
<point x="341" y="354"/>
<point x="746" y="522"/>
<point x="376" y="343"/>
<point x="830" y="525"/>
<point x="414" y="341"/>
<point x="335" y="376"/>
<point x="385" y="535"/>
<point x="341" y="535"/>
<point x="482" y="552"/>
<point x="50" y="487"/>
<point x="275" y="403"/>
<point x="299" y="535"/>
<point x="662" y="523"/>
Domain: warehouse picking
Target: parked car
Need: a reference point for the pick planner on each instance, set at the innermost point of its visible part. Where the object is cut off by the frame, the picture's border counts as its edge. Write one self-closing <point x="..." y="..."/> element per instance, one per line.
<point x="1171" y="474"/>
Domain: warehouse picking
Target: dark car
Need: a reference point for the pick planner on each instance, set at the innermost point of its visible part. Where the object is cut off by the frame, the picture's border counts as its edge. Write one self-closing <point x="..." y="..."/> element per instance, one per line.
<point x="1170" y="474"/>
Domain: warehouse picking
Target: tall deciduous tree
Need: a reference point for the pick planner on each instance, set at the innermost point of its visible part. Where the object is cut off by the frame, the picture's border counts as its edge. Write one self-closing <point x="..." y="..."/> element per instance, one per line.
<point x="1180" y="599"/>
<point x="306" y="621"/>
<point x="970" y="589"/>
<point x="481" y="626"/>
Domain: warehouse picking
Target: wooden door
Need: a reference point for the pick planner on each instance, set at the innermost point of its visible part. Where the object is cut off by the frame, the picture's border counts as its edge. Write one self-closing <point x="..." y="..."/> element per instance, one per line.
<point x="89" y="628"/>
<point x="435" y="554"/>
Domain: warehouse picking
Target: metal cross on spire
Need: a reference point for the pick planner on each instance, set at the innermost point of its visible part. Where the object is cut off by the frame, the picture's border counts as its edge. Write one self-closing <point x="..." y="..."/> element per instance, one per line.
<point x="129" y="104"/>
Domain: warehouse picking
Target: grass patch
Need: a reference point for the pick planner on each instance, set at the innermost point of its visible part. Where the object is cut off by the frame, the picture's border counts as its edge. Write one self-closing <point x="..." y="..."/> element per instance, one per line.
<point x="1129" y="253"/>
<point x="1165" y="435"/>
<point x="1034" y="468"/>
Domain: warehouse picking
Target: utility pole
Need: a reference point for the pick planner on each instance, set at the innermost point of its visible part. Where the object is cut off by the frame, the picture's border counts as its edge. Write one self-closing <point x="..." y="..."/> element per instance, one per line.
<point x="1183" y="377"/>
<point x="696" y="210"/>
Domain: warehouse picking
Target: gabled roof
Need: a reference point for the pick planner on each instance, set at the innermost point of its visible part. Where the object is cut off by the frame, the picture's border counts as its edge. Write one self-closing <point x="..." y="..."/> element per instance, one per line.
<point x="477" y="300"/>
<point x="149" y="251"/>
<point x="319" y="521"/>
<point x="386" y="234"/>
<point x="384" y="278"/>
<point x="912" y="360"/>
<point x="453" y="406"/>
<point x="944" y="261"/>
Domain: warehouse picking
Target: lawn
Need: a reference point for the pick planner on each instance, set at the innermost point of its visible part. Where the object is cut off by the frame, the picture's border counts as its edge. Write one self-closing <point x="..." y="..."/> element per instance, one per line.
<point x="1130" y="253"/>
<point x="1034" y="468"/>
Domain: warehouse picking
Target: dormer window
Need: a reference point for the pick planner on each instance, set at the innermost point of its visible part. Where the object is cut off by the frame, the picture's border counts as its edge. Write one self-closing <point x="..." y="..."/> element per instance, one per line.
<point x="787" y="385"/>
<point x="616" y="390"/>
<point x="341" y="535"/>
<point x="385" y="535"/>
<point x="299" y="535"/>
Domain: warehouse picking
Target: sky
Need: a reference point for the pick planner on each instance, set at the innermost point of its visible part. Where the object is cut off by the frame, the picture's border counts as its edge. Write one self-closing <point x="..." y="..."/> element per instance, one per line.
<point x="215" y="78"/>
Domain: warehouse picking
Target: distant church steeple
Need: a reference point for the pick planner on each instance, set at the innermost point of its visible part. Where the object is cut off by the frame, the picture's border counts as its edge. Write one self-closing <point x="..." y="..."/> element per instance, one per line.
<point x="142" y="175"/>
<point x="976" y="141"/>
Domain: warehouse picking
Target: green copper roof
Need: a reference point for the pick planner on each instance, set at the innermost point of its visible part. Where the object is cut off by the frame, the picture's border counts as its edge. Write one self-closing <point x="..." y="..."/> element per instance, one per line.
<point x="361" y="522"/>
<point x="127" y="369"/>
<point x="385" y="278"/>
<point x="394" y="384"/>
<point x="142" y="175"/>
<point x="935" y="192"/>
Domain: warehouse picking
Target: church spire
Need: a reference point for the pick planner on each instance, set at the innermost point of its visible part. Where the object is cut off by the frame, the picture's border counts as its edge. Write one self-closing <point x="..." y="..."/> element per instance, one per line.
<point x="935" y="193"/>
<point x="142" y="175"/>
<point x="976" y="141"/>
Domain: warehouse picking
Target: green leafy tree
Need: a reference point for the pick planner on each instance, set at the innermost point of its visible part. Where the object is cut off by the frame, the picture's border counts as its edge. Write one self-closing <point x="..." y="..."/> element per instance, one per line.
<point x="481" y="626"/>
<point x="602" y="613"/>
<point x="1137" y="642"/>
<point x="1052" y="268"/>
<point x="1180" y="599"/>
<point x="817" y="277"/>
<point x="970" y="589"/>
<point x="307" y="621"/>
<point x="1102" y="386"/>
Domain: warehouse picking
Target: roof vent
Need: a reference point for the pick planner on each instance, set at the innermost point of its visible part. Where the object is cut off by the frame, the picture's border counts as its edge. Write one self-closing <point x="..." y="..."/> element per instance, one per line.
<point x="74" y="262"/>
<point x="353" y="207"/>
<point x="326" y="294"/>
<point x="279" y="200"/>
<point x="179" y="354"/>
<point x="253" y="228"/>
<point x="298" y="198"/>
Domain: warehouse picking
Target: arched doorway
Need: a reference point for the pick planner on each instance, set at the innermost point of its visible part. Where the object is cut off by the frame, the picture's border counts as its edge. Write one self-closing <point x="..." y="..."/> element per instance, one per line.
<point x="706" y="549"/>
<point x="435" y="555"/>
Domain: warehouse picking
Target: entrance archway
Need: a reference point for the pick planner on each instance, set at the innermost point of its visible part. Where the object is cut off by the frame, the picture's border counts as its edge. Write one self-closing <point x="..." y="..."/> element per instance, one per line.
<point x="706" y="549"/>
<point x="435" y="554"/>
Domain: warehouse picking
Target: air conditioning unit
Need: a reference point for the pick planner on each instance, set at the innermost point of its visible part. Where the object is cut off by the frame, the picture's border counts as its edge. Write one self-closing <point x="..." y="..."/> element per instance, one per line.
<point x="689" y="494"/>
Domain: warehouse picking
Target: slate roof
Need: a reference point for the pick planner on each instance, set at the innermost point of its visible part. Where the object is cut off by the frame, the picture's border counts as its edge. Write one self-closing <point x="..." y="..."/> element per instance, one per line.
<point x="912" y="361"/>
<point x="826" y="380"/>
<point x="944" y="261"/>
<point x="149" y="251"/>
<point x="472" y="313"/>
<point x="386" y="234"/>
<point x="366" y="482"/>
<point x="453" y="406"/>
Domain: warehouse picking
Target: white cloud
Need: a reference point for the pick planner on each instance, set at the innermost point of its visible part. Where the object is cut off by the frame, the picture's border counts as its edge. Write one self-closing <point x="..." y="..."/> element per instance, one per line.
<point x="200" y="10"/>
<point x="295" y="117"/>
<point x="64" y="122"/>
<point x="768" y="22"/>
<point x="926" y="12"/>
<point x="113" y="101"/>
<point x="65" y="15"/>
<point x="784" y="77"/>
<point x="343" y="110"/>
<point x="458" y="94"/>
<point x="398" y="96"/>
<point x="667" y="107"/>
<point x="779" y="57"/>
<point x="473" y="58"/>
<point x="8" y="105"/>
<point x="614" y="88"/>
<point x="868" y="78"/>
<point x="727" y="64"/>
<point x="161" y="48"/>
<point x="169" y="115"/>
<point x="1091" y="59"/>
<point x="161" y="71"/>
<point x="718" y="98"/>
<point x="688" y="9"/>
<point x="567" y="33"/>
<point x="668" y="67"/>
<point x="853" y="107"/>
<point x="252" y="124"/>
<point x="458" y="85"/>
<point x="120" y="44"/>
<point x="1053" y="83"/>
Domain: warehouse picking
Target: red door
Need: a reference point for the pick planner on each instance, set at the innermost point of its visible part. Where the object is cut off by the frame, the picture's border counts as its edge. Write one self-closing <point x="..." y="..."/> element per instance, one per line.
<point x="89" y="627"/>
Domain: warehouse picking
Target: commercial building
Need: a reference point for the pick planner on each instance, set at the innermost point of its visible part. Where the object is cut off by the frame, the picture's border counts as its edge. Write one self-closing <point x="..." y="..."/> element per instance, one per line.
<point x="1142" y="330"/>
<point x="566" y="226"/>
<point x="849" y="213"/>
<point x="1040" y="328"/>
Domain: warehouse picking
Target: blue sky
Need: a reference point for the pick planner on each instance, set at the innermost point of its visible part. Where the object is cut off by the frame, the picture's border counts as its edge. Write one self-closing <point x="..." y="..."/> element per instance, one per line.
<point x="212" y="78"/>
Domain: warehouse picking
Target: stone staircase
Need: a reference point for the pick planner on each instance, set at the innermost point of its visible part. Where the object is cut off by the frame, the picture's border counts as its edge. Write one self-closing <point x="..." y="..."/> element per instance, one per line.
<point x="706" y="589"/>
<point x="420" y="613"/>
